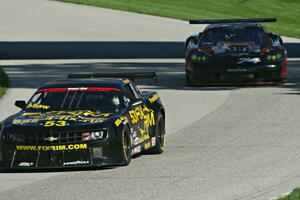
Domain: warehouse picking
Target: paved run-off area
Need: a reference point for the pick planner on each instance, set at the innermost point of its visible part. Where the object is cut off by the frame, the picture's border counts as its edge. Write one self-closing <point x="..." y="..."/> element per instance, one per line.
<point x="223" y="143"/>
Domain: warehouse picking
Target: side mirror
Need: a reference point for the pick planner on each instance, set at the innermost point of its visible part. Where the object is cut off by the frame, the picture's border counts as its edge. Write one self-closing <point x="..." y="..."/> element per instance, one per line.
<point x="136" y="102"/>
<point x="20" y="104"/>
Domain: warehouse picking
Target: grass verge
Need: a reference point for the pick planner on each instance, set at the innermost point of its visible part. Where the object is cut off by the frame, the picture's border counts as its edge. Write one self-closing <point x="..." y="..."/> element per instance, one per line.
<point x="286" y="11"/>
<point x="295" y="195"/>
<point x="4" y="81"/>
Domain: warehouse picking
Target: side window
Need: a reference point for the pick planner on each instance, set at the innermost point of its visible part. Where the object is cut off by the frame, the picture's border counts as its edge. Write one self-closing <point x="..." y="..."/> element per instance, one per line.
<point x="128" y="92"/>
<point x="193" y="43"/>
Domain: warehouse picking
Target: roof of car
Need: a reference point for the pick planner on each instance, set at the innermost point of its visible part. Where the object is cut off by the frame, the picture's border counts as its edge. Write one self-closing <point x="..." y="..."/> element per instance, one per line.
<point x="107" y="82"/>
<point x="234" y="25"/>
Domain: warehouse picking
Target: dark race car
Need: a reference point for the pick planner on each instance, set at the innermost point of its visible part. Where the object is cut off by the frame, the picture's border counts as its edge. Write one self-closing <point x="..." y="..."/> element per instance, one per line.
<point x="83" y="122"/>
<point x="234" y="52"/>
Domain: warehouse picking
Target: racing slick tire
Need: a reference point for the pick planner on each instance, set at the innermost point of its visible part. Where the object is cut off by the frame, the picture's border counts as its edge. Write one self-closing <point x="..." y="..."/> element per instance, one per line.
<point x="160" y="135"/>
<point x="125" y="145"/>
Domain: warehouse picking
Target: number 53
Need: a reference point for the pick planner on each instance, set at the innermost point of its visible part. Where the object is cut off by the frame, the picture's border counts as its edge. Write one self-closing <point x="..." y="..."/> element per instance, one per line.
<point x="55" y="123"/>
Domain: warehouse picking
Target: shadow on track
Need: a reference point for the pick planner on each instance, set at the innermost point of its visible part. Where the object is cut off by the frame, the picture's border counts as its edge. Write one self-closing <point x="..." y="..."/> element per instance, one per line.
<point x="101" y="49"/>
<point x="170" y="75"/>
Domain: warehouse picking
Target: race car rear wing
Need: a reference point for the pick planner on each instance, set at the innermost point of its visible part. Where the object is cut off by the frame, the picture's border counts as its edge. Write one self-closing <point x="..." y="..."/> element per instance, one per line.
<point x="131" y="76"/>
<point x="221" y="21"/>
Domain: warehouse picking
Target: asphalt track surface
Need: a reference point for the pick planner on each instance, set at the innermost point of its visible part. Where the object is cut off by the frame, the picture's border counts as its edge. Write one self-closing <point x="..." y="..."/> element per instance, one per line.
<point x="223" y="143"/>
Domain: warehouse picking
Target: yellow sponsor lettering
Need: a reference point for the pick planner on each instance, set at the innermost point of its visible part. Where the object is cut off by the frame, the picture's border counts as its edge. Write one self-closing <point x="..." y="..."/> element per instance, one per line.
<point x="147" y="145"/>
<point x="38" y="106"/>
<point x="61" y="123"/>
<point x="149" y="119"/>
<point x="51" y="148"/>
<point x="82" y="146"/>
<point x="120" y="120"/>
<point x="61" y="148"/>
<point x="55" y="123"/>
<point x="153" y="98"/>
<point x="31" y="114"/>
<point x="136" y="115"/>
<point x="24" y="121"/>
<point x="64" y="117"/>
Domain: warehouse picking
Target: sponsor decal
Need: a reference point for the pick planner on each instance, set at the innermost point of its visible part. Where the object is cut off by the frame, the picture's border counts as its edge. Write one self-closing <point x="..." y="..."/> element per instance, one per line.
<point x="137" y="150"/>
<point x="24" y="121"/>
<point x="237" y="70"/>
<point x="77" y="162"/>
<point x="144" y="133"/>
<point x="138" y="114"/>
<point x="37" y="106"/>
<point x="61" y="118"/>
<point x="153" y="141"/>
<point x="153" y="98"/>
<point x="147" y="145"/>
<point x="51" y="148"/>
<point x="149" y="120"/>
<point x="51" y="139"/>
<point x="55" y="123"/>
<point x="136" y="141"/>
<point x="134" y="134"/>
<point x="120" y="120"/>
<point x="26" y="164"/>
<point x="249" y="60"/>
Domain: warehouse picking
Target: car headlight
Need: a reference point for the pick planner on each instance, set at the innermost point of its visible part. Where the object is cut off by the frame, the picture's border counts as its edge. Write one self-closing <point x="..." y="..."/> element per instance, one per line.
<point x="274" y="57"/>
<point x="95" y="135"/>
<point x="198" y="58"/>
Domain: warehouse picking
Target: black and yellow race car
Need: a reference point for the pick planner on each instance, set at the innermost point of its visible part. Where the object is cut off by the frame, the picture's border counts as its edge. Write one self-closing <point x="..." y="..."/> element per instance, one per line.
<point x="234" y="51"/>
<point x="86" y="120"/>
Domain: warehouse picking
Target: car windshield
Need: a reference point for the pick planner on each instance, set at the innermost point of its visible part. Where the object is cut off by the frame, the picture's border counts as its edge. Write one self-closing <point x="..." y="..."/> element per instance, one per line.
<point x="98" y="99"/>
<point x="236" y="34"/>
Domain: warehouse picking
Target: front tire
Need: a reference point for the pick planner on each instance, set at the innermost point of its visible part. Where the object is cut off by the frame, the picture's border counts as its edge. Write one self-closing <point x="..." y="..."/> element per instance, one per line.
<point x="125" y="146"/>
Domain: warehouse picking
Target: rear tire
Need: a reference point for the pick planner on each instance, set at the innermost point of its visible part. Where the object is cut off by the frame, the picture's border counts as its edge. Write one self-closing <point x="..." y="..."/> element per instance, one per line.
<point x="160" y="135"/>
<point x="125" y="145"/>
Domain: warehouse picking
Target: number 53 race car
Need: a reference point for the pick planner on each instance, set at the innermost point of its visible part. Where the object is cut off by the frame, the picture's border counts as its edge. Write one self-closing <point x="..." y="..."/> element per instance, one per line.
<point x="86" y="120"/>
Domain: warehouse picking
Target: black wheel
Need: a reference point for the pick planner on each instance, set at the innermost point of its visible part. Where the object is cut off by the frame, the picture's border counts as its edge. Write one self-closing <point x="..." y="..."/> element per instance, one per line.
<point x="125" y="147"/>
<point x="160" y="136"/>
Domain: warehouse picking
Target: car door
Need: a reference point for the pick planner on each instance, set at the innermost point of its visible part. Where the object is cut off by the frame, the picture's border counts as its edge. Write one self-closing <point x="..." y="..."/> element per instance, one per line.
<point x="136" y="114"/>
<point x="146" y="127"/>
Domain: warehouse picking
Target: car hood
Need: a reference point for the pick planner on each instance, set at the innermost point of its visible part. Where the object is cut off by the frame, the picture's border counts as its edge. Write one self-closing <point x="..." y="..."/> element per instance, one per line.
<point x="60" y="118"/>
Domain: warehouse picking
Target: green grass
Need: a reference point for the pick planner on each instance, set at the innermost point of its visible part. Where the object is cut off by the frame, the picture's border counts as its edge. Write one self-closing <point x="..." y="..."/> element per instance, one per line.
<point x="295" y="195"/>
<point x="286" y="11"/>
<point x="4" y="80"/>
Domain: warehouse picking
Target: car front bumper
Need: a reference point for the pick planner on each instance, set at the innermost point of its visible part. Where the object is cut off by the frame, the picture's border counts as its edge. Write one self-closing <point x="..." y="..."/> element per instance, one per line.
<point x="241" y="75"/>
<point x="91" y="154"/>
